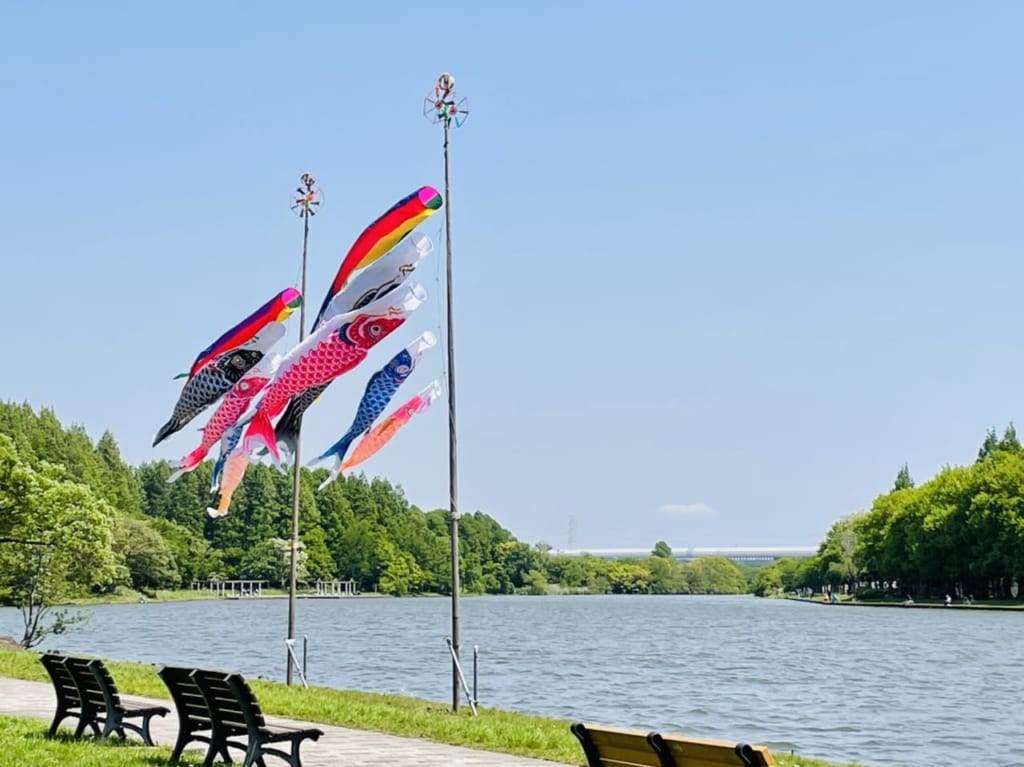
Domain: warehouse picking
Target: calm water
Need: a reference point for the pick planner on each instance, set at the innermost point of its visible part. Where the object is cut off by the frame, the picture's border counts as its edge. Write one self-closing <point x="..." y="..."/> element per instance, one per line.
<point x="880" y="686"/>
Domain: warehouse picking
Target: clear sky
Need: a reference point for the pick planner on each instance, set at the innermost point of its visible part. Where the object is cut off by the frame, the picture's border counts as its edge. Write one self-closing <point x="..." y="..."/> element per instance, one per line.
<point x="720" y="268"/>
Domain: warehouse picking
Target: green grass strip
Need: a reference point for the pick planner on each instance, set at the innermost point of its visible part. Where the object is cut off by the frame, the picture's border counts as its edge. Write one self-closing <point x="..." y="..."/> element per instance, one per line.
<point x="492" y="730"/>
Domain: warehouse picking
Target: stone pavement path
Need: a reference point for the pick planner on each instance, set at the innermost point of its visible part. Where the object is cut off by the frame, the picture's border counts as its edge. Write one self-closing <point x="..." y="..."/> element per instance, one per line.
<point x="338" y="746"/>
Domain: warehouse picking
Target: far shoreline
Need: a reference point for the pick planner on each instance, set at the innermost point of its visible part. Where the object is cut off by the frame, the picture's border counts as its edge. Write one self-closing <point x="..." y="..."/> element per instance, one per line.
<point x="127" y="597"/>
<point x="926" y="605"/>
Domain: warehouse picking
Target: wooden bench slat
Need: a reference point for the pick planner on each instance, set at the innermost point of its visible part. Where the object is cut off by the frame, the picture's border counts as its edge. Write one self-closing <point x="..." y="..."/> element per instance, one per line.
<point x="632" y="750"/>
<point x="615" y="747"/>
<point x="698" y="752"/>
<point x="618" y="747"/>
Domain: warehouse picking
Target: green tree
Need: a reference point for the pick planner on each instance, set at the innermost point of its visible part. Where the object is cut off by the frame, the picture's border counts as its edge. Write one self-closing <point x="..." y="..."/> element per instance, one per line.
<point x="400" y="574"/>
<point x="270" y="560"/>
<point x="716" y="575"/>
<point x="1009" y="443"/>
<point x="195" y="557"/>
<point x="146" y="554"/>
<point x="17" y="487"/>
<point x="536" y="583"/>
<point x="568" y="571"/>
<point x="903" y="479"/>
<point x="628" y="577"/>
<point x="667" y="575"/>
<point x="319" y="562"/>
<point x="989" y="445"/>
<point x="114" y="481"/>
<point x="838" y="553"/>
<point x="662" y="549"/>
<point x="769" y="580"/>
<point x="61" y="543"/>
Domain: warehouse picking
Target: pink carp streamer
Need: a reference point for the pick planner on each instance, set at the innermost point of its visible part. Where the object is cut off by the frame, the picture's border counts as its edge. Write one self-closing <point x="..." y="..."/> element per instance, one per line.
<point x="336" y="347"/>
<point x="231" y="408"/>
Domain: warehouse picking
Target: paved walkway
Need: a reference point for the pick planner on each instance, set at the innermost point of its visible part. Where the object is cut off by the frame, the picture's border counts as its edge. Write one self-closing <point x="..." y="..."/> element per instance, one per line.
<point x="338" y="745"/>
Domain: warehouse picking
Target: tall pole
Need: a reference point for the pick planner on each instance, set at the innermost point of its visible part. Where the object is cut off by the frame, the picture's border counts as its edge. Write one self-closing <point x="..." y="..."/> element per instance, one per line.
<point x="453" y="455"/>
<point x="445" y="110"/>
<point x="305" y="204"/>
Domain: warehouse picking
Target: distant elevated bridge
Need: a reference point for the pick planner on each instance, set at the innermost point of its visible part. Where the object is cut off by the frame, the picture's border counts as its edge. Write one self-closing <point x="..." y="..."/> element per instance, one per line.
<point x="746" y="554"/>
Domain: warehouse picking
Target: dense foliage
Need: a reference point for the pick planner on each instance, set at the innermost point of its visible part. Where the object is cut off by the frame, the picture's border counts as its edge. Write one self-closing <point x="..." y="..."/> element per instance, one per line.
<point x="74" y="512"/>
<point x="961" y="533"/>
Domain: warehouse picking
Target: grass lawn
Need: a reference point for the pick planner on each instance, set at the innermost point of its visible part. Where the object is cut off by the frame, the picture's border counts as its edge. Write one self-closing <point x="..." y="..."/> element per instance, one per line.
<point x="24" y="742"/>
<point x="493" y="730"/>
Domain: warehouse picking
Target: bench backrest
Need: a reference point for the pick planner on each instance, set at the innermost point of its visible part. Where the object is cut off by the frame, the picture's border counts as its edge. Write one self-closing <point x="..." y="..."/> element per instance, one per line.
<point x="188" y="698"/>
<point x="89" y="685"/>
<point x="247" y="698"/>
<point x="615" y="747"/>
<point x="104" y="680"/>
<point x="227" y="708"/>
<point x="705" y="752"/>
<point x="63" y="683"/>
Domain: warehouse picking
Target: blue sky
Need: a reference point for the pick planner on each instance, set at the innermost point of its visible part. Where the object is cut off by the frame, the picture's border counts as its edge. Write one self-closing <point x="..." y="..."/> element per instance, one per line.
<point x="720" y="268"/>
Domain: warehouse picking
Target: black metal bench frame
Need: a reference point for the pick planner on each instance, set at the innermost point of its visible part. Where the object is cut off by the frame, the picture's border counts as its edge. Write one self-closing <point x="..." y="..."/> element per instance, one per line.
<point x="235" y="710"/>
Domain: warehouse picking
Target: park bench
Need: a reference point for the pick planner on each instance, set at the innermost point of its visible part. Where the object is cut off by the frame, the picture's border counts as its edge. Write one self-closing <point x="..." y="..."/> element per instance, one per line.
<point x="69" y="701"/>
<point x="98" y="701"/>
<point x="195" y="721"/>
<point x="616" y="747"/>
<point x="235" y="711"/>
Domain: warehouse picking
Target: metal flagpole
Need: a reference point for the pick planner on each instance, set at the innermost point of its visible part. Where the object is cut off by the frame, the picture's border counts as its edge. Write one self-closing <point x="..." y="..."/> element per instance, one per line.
<point x="306" y="205"/>
<point x="441" y="105"/>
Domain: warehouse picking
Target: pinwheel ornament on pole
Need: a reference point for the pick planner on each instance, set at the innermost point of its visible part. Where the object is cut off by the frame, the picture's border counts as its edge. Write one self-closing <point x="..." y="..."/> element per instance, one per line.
<point x="442" y="106"/>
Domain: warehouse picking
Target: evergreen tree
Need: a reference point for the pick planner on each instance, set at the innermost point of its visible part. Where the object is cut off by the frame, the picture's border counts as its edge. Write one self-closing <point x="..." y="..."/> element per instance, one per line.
<point x="989" y="446"/>
<point x="903" y="479"/>
<point x="1009" y="443"/>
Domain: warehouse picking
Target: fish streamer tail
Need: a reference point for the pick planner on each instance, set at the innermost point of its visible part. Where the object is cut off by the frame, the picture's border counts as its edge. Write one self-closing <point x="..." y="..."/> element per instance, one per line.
<point x="218" y="469"/>
<point x="218" y="511"/>
<point x="334" y="468"/>
<point x="175" y="424"/>
<point x="221" y="509"/>
<point x="188" y="463"/>
<point x="335" y="473"/>
<point x="261" y="434"/>
<point x="336" y="452"/>
<point x="287" y="438"/>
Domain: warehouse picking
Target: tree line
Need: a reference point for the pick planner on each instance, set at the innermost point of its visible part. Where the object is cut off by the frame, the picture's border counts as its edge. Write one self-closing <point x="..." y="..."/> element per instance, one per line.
<point x="960" y="533"/>
<point x="75" y="519"/>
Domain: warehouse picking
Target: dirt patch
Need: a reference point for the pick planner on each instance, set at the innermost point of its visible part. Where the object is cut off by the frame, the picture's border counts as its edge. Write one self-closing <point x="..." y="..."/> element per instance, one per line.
<point x="9" y="643"/>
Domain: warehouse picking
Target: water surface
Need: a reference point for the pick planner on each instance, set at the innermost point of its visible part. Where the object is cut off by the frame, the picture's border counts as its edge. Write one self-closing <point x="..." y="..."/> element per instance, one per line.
<point x="884" y="687"/>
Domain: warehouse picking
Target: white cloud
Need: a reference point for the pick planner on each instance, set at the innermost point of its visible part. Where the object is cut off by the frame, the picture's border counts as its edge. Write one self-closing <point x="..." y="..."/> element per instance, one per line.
<point x="687" y="509"/>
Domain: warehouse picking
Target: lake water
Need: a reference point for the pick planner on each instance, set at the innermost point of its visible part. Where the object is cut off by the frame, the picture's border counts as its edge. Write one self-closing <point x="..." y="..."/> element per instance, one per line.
<point x="885" y="687"/>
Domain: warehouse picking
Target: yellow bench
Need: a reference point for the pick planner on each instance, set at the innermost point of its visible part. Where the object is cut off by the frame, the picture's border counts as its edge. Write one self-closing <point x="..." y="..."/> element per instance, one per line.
<point x="617" y="747"/>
